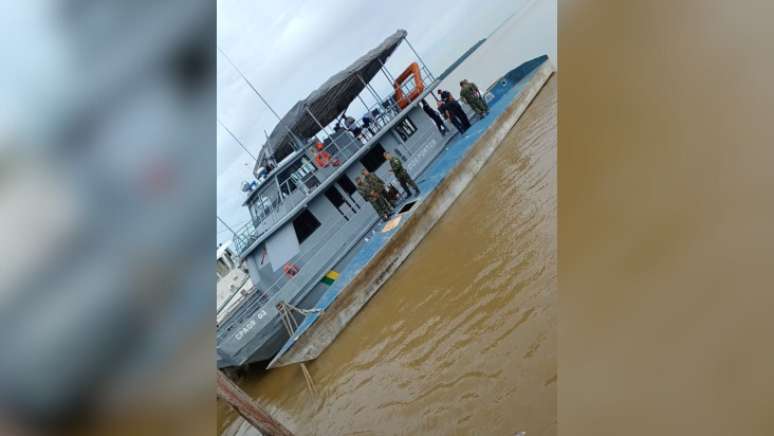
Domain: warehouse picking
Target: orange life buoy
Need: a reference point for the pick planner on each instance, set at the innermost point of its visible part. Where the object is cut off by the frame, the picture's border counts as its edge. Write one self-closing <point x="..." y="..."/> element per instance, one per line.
<point x="419" y="86"/>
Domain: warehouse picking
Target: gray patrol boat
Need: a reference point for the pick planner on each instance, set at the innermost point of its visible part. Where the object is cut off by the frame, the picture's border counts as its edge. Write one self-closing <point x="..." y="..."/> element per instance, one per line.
<point x="307" y="218"/>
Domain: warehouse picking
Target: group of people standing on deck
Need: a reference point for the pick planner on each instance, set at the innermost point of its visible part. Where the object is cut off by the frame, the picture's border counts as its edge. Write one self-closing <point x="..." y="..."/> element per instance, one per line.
<point x="374" y="189"/>
<point x="451" y="109"/>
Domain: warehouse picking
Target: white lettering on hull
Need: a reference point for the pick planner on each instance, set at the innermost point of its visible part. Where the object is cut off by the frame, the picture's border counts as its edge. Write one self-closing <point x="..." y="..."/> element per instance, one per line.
<point x="419" y="155"/>
<point x="249" y="325"/>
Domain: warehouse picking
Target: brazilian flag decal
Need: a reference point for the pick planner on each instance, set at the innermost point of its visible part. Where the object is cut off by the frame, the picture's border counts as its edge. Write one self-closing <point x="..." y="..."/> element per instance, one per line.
<point x="330" y="278"/>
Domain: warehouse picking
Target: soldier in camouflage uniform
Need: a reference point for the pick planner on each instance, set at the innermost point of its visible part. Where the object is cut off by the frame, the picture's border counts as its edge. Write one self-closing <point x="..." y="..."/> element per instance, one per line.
<point x="365" y="191"/>
<point x="391" y="195"/>
<point x="368" y="191"/>
<point x="401" y="174"/>
<point x="470" y="94"/>
<point x="378" y="186"/>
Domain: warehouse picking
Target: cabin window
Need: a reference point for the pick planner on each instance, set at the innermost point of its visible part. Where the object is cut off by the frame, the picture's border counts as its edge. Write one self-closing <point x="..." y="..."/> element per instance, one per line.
<point x="374" y="158"/>
<point x="305" y="224"/>
<point x="405" y="128"/>
<point x="260" y="208"/>
<point x="347" y="185"/>
<point x="334" y="196"/>
<point x="252" y="213"/>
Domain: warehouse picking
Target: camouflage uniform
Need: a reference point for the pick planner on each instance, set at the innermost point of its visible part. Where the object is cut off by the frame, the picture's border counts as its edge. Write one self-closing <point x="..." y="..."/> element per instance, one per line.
<point x="378" y="186"/>
<point x="469" y="93"/>
<point x="403" y="176"/>
<point x="380" y="205"/>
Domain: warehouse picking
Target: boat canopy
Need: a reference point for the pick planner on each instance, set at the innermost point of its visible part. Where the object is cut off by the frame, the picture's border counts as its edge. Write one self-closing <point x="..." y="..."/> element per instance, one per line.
<point x="332" y="97"/>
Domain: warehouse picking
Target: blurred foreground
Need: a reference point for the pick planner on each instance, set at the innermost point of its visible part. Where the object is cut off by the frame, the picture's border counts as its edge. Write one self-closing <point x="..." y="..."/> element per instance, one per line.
<point x="107" y="199"/>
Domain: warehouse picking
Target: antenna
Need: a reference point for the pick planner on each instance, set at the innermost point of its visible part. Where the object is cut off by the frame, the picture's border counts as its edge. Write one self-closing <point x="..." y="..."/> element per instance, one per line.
<point x="249" y="83"/>
<point x="296" y="141"/>
<point x="237" y="140"/>
<point x="227" y="226"/>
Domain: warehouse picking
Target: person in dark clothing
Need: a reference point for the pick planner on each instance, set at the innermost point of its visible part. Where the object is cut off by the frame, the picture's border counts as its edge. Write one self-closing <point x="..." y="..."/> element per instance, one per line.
<point x="461" y="114"/>
<point x="435" y="117"/>
<point x="453" y="111"/>
<point x="351" y="124"/>
<point x="367" y="122"/>
<point x="444" y="110"/>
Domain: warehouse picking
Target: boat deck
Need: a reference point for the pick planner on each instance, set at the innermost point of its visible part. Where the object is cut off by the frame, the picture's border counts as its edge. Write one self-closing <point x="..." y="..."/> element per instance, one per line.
<point x="381" y="234"/>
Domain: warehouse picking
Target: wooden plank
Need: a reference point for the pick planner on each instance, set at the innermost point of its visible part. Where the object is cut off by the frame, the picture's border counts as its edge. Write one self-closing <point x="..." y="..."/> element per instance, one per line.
<point x="248" y="408"/>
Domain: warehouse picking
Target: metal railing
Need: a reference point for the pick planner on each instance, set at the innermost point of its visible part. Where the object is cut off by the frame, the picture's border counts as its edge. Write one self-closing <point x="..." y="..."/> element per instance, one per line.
<point x="257" y="298"/>
<point x="275" y="200"/>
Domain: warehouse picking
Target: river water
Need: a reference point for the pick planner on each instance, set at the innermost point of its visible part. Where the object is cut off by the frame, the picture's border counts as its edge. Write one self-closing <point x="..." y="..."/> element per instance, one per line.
<point x="462" y="339"/>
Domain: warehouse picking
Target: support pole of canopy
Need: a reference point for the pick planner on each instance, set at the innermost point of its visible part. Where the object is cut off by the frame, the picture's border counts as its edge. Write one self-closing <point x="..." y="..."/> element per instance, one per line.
<point x="430" y="73"/>
<point x="319" y="124"/>
<point x="368" y="110"/>
<point x="371" y="90"/>
<point x="237" y="140"/>
<point x="295" y="137"/>
<point x="389" y="80"/>
<point x="378" y="97"/>
<point x="386" y="72"/>
<point x="373" y="94"/>
<point x="389" y="76"/>
<point x="392" y="102"/>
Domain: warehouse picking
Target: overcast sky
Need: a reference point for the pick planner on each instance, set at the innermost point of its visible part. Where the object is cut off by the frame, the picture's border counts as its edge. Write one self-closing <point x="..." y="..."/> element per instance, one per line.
<point x="288" y="48"/>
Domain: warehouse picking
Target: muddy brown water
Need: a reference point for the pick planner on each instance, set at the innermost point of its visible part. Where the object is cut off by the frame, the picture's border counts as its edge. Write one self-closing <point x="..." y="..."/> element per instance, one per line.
<point x="461" y="340"/>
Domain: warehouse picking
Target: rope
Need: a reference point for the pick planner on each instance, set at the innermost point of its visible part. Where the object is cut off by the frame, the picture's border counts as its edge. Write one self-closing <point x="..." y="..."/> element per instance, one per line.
<point x="303" y="311"/>
<point x="291" y="325"/>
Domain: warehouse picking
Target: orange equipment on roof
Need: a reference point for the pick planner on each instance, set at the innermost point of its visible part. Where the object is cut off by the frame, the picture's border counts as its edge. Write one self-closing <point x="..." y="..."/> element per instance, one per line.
<point x="419" y="86"/>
